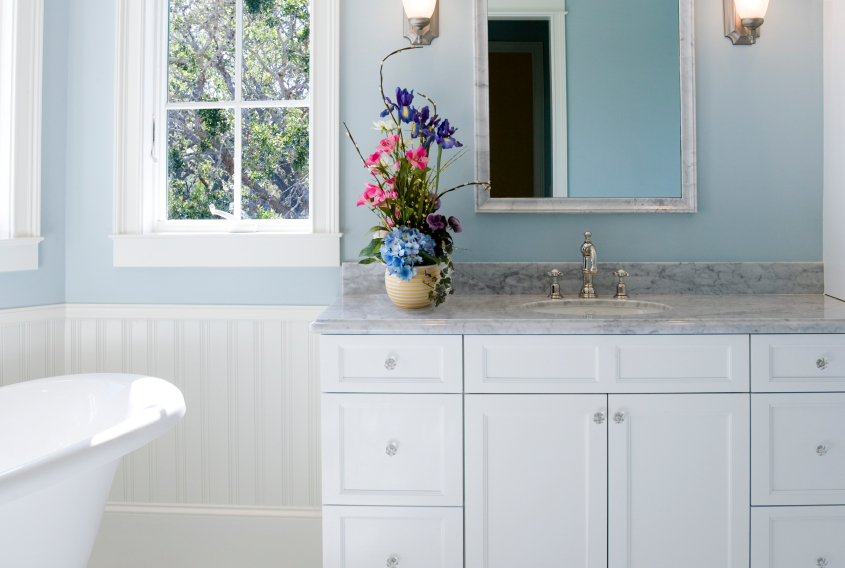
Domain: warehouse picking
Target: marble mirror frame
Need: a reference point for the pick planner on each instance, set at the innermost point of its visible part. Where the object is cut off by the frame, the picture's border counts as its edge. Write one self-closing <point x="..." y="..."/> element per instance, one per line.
<point x="686" y="203"/>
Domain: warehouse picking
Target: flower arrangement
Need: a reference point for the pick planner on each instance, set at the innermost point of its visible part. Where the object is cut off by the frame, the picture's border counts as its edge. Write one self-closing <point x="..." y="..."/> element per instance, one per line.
<point x="404" y="192"/>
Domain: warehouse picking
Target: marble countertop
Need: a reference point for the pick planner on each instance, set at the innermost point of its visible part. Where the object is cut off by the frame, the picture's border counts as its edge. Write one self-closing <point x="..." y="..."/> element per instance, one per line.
<point x="492" y="314"/>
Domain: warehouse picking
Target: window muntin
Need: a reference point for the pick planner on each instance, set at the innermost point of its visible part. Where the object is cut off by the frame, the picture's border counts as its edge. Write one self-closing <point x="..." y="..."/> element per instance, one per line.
<point x="237" y="112"/>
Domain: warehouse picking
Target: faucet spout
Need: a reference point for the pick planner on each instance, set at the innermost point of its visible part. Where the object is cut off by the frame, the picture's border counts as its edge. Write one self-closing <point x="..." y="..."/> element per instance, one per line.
<point x="588" y="251"/>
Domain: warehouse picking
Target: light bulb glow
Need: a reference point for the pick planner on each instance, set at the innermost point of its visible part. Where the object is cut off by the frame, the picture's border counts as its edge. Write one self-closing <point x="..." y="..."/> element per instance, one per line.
<point x="420" y="8"/>
<point x="751" y="8"/>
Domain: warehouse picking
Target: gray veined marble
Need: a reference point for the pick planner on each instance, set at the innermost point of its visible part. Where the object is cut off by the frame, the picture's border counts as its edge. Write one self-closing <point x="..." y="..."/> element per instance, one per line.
<point x="526" y="278"/>
<point x="689" y="314"/>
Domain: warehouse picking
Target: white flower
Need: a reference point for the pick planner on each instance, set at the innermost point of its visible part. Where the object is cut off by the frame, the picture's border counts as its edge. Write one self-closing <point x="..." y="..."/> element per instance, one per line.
<point x="385" y="126"/>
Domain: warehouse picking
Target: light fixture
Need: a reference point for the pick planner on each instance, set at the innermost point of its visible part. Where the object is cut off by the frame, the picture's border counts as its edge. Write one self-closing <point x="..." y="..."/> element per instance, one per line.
<point x="421" y="21"/>
<point x="743" y="19"/>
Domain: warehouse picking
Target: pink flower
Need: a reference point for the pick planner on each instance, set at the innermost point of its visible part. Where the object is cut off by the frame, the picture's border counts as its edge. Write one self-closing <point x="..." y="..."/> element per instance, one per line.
<point x="391" y="183"/>
<point x="374" y="160"/>
<point x="373" y="196"/>
<point x="388" y="222"/>
<point x="391" y="194"/>
<point x="388" y="143"/>
<point x="417" y="157"/>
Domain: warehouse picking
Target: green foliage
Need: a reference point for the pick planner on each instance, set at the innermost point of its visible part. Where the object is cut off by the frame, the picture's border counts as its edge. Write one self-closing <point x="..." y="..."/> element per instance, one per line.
<point x="201" y="67"/>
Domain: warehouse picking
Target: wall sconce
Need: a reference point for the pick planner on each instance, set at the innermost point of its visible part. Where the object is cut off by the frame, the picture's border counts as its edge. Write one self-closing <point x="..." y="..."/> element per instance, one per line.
<point x="743" y="18"/>
<point x="422" y="21"/>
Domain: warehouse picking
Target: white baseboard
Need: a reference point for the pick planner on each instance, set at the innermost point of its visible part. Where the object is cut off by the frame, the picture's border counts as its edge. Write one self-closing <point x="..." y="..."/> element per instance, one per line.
<point x="194" y="536"/>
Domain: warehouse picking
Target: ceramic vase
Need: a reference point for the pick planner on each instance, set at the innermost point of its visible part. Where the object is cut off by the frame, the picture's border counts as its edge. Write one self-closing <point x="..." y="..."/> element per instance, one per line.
<point x="413" y="294"/>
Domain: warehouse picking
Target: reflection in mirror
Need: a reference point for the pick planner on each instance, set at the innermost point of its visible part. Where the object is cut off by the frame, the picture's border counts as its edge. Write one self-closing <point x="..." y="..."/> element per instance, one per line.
<point x="589" y="105"/>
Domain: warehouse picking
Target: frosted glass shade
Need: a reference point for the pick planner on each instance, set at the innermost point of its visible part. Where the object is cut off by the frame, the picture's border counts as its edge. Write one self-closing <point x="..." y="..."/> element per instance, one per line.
<point x="751" y="8"/>
<point x="421" y="8"/>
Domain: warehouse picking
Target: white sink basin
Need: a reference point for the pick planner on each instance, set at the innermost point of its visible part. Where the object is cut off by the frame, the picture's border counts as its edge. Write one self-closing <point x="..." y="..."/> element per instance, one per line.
<point x="597" y="307"/>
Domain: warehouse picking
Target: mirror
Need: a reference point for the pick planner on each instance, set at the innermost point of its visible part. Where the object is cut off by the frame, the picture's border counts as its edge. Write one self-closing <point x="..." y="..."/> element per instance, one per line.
<point x="585" y="106"/>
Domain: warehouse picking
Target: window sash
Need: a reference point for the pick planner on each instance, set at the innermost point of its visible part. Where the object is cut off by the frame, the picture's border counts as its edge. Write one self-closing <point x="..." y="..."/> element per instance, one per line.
<point x="159" y="150"/>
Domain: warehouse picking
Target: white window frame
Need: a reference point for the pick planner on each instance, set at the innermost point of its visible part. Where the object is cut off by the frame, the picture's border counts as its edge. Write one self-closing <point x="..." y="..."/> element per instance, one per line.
<point x="21" y="47"/>
<point x="141" y="237"/>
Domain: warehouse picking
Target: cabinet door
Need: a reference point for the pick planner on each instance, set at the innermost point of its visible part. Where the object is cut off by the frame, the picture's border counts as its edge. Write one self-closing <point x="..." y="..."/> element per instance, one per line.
<point x="791" y="537"/>
<point x="678" y="480"/>
<point x="536" y="481"/>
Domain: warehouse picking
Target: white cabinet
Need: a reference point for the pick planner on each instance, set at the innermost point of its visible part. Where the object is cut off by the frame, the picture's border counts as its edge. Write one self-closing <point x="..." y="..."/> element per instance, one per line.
<point x="678" y="480"/>
<point x="798" y="363"/>
<point x="391" y="363"/>
<point x="606" y="363"/>
<point x="798" y="449"/>
<point x="794" y="537"/>
<point x="404" y="537"/>
<point x="392" y="449"/>
<point x="536" y="491"/>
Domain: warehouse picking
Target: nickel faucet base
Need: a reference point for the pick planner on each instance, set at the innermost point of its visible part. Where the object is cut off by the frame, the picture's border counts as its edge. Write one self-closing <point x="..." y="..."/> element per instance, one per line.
<point x="588" y="251"/>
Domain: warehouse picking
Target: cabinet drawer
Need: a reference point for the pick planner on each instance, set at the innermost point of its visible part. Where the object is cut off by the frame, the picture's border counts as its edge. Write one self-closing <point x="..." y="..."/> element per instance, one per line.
<point x="796" y="363"/>
<point x="391" y="363"/>
<point x="798" y="449"/>
<point x="392" y="449"/>
<point x="606" y="363"/>
<point x="791" y="537"/>
<point x="415" y="537"/>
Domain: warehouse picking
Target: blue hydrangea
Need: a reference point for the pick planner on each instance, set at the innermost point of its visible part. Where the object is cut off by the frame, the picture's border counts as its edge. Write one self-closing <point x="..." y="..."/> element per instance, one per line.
<point x="400" y="251"/>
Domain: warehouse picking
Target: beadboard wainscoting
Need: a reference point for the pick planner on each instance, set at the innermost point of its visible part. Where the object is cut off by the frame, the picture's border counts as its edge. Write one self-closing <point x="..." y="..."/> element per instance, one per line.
<point x="237" y="481"/>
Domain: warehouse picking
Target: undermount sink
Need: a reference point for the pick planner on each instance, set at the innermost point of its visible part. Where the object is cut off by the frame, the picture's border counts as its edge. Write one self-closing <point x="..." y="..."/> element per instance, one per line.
<point x="599" y="307"/>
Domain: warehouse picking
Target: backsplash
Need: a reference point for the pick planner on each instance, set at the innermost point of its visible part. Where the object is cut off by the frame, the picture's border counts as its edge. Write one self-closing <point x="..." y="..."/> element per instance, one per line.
<point x="476" y="278"/>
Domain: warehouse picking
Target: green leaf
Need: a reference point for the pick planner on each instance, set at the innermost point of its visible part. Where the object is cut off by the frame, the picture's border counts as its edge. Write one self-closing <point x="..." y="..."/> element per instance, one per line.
<point x="371" y="248"/>
<point x="368" y="261"/>
<point x="375" y="229"/>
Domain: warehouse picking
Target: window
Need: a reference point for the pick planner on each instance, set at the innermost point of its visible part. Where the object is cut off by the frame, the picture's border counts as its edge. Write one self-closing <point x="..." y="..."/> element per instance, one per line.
<point x="224" y="108"/>
<point x="21" y="25"/>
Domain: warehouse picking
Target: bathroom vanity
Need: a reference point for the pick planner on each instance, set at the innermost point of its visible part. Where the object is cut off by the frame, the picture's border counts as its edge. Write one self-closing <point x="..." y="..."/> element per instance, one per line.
<point x="482" y="434"/>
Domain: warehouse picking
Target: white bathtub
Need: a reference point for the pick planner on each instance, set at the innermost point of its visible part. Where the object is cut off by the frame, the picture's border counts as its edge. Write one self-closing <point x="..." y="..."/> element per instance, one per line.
<point x="60" y="442"/>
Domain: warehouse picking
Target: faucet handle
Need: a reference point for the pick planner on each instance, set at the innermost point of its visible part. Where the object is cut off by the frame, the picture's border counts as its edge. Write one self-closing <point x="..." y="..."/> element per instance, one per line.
<point x="555" y="294"/>
<point x="621" y="292"/>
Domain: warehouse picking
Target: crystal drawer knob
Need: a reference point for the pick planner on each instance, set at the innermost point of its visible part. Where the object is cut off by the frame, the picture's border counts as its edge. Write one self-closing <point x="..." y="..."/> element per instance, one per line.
<point x="390" y="364"/>
<point x="392" y="561"/>
<point x="821" y="363"/>
<point x="821" y="449"/>
<point x="598" y="417"/>
<point x="822" y="561"/>
<point x="391" y="449"/>
<point x="619" y="418"/>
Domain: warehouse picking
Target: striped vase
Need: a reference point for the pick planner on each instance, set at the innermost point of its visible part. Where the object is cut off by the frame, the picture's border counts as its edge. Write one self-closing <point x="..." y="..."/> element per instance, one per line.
<point x="413" y="294"/>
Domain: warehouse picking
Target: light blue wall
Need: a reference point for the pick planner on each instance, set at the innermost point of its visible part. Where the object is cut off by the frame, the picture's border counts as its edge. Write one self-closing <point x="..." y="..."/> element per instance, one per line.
<point x="759" y="143"/>
<point x="47" y="284"/>
<point x="759" y="168"/>
<point x="623" y="98"/>
<point x="90" y="274"/>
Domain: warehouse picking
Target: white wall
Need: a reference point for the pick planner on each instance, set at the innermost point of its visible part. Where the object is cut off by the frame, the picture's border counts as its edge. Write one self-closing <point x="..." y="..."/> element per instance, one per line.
<point x="236" y="483"/>
<point x="834" y="148"/>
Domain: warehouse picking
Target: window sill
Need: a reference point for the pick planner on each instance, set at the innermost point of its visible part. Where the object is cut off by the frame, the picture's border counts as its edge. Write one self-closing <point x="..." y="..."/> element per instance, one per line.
<point x="226" y="250"/>
<point x="19" y="254"/>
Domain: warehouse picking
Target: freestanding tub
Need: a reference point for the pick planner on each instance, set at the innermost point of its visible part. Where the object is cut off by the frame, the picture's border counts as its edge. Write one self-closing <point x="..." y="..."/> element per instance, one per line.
<point x="60" y="443"/>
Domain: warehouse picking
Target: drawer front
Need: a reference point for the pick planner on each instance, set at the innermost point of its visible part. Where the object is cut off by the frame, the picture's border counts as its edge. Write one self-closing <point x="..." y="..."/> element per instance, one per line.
<point x="392" y="449"/>
<point x="798" y="449"/>
<point x="606" y="363"/>
<point x="793" y="537"/>
<point x="798" y="363"/>
<point x="406" y="537"/>
<point x="391" y="363"/>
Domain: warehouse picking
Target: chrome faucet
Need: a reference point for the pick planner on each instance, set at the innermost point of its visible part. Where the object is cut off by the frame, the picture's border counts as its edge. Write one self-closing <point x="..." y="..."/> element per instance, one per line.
<point x="588" y="251"/>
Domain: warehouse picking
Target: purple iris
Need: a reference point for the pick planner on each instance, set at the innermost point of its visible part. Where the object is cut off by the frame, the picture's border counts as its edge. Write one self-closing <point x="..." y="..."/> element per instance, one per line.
<point x="445" y="136"/>
<point x="436" y="221"/>
<point x="437" y="202"/>
<point x="402" y="105"/>
<point x="454" y="224"/>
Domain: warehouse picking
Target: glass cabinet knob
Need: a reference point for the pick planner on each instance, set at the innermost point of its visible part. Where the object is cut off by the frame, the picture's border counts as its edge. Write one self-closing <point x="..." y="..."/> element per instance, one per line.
<point x="821" y="449"/>
<point x="619" y="418"/>
<point x="391" y="449"/>
<point x="390" y="363"/>
<point x="821" y="561"/>
<point x="821" y="363"/>
<point x="598" y="417"/>
<point x="393" y="561"/>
